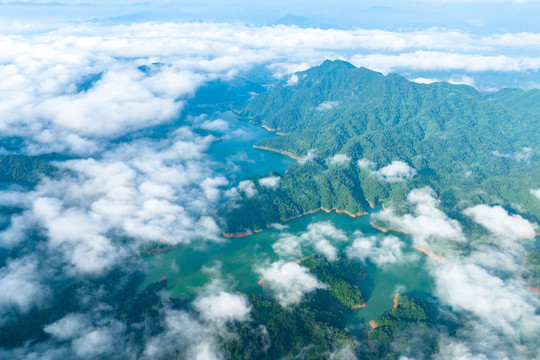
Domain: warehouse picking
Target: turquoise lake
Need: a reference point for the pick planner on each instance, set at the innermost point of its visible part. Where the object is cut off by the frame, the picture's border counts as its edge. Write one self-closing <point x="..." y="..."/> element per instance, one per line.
<point x="238" y="258"/>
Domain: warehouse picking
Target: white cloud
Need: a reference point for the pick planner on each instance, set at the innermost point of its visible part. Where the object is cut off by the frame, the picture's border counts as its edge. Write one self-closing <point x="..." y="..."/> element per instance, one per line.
<point x="462" y="80"/>
<point x="524" y="155"/>
<point x="205" y="351"/>
<point x="68" y="327"/>
<point x="217" y="125"/>
<point x="97" y="342"/>
<point x="309" y="156"/>
<point x="497" y="220"/>
<point x="270" y="181"/>
<point x="453" y="350"/>
<point x="324" y="247"/>
<point x="223" y="306"/>
<point x="327" y="105"/>
<point x="248" y="188"/>
<point x="479" y="285"/>
<point x="123" y="100"/>
<point x="293" y="80"/>
<point x="40" y="70"/>
<point x="146" y="190"/>
<point x="381" y="250"/>
<point x="343" y="354"/>
<point x="502" y="304"/>
<point x="428" y="225"/>
<point x="339" y="159"/>
<point x="536" y="193"/>
<point x="21" y="285"/>
<point x="211" y="185"/>
<point x="289" y="282"/>
<point x="422" y="80"/>
<point x="182" y="333"/>
<point x="367" y="164"/>
<point x="90" y="335"/>
<point x="425" y="60"/>
<point x="397" y="171"/>
<point x="320" y="237"/>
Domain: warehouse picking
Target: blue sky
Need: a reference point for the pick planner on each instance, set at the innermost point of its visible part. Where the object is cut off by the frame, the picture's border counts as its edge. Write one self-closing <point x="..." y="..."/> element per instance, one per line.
<point x="482" y="15"/>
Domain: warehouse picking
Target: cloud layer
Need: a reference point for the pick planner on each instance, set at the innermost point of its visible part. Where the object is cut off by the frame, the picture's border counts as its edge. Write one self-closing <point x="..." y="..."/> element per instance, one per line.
<point x="397" y="171"/>
<point x="428" y="225"/>
<point x="67" y="88"/>
<point x="497" y="310"/>
<point x="381" y="250"/>
<point x="289" y="282"/>
<point x="321" y="237"/>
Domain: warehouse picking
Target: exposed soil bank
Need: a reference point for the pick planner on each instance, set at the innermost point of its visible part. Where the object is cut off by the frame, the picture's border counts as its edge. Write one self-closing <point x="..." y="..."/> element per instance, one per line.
<point x="430" y="254"/>
<point x="396" y="300"/>
<point x="160" y="250"/>
<point x="278" y="151"/>
<point x="250" y="232"/>
<point x="384" y="230"/>
<point x="520" y="272"/>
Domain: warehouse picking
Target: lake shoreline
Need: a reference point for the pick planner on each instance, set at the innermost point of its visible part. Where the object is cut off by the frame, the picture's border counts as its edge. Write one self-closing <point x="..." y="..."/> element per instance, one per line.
<point x="520" y="272"/>
<point x="251" y="232"/>
<point x="282" y="152"/>
<point x="160" y="250"/>
<point x="430" y="254"/>
<point x="385" y="230"/>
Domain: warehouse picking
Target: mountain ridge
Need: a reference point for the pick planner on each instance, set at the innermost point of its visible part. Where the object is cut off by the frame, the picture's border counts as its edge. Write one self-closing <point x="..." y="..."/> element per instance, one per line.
<point x="469" y="149"/>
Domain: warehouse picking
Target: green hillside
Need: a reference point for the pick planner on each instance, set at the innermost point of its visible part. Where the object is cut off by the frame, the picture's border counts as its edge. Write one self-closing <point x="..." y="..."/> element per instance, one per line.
<point x="404" y="330"/>
<point x="24" y="169"/>
<point x="341" y="276"/>
<point x="518" y="99"/>
<point x="468" y="148"/>
<point x="531" y="272"/>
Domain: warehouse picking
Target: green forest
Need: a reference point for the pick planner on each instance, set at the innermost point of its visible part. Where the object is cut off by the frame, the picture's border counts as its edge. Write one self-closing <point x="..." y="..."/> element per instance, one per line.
<point x="314" y="328"/>
<point x="404" y="330"/>
<point x="341" y="276"/>
<point x="531" y="272"/>
<point x="469" y="148"/>
<point x="24" y="169"/>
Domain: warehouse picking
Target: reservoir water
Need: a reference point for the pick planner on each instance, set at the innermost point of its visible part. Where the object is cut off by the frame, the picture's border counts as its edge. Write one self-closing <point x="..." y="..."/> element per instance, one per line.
<point x="188" y="267"/>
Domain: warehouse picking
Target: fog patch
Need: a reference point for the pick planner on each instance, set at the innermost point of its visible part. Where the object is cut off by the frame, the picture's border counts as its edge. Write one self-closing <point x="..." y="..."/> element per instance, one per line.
<point x="321" y="237"/>
<point x="397" y="171"/>
<point x="428" y="224"/>
<point x="524" y="155"/>
<point x="381" y="250"/>
<point x="339" y="159"/>
<point x="327" y="105"/>
<point x="293" y="80"/>
<point x="309" y="157"/>
<point x="367" y="164"/>
<point x="289" y="282"/>
<point x="270" y="182"/>
<point x="248" y="188"/>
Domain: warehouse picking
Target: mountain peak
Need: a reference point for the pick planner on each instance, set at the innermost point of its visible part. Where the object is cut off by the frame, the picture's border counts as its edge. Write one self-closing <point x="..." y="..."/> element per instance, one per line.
<point x="337" y="64"/>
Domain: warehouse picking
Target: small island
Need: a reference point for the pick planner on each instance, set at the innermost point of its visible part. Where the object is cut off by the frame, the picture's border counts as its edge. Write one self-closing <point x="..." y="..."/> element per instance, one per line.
<point x="342" y="278"/>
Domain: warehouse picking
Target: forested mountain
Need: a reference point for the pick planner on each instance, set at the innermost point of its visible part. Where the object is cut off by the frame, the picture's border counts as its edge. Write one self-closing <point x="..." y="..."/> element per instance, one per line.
<point x="518" y="99"/>
<point x="531" y="271"/>
<point x="406" y="330"/>
<point x="470" y="149"/>
<point x="25" y="169"/>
